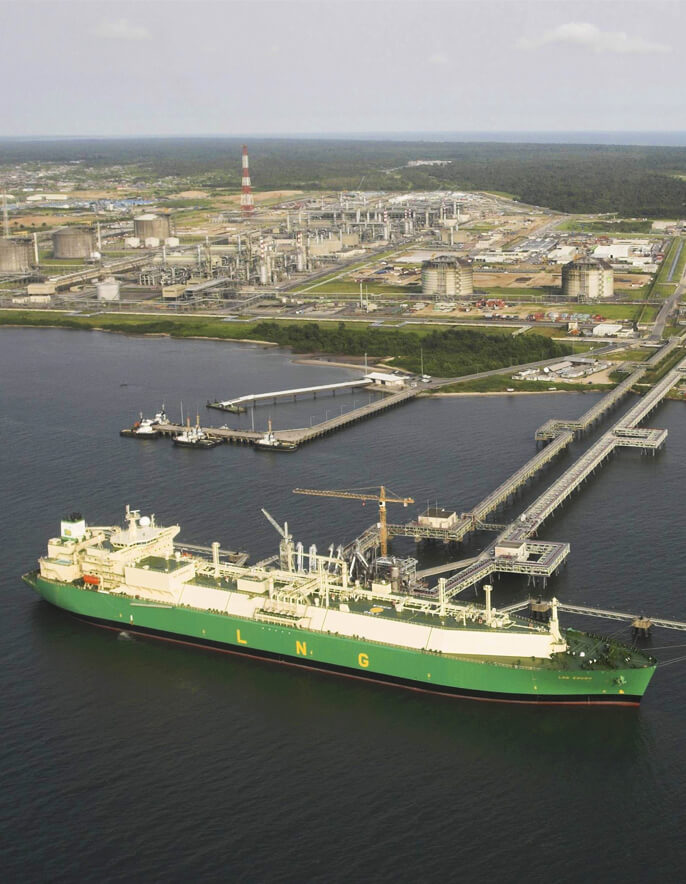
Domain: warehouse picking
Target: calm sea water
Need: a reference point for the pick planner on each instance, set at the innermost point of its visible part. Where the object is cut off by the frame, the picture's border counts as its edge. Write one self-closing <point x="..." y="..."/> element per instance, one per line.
<point x="138" y="760"/>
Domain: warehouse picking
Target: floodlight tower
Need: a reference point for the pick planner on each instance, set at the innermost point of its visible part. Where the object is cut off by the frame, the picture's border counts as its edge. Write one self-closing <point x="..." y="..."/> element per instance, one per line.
<point x="247" y="202"/>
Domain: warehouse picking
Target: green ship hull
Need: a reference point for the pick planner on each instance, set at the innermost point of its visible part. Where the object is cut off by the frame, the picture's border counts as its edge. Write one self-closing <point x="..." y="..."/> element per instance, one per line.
<point x="480" y="678"/>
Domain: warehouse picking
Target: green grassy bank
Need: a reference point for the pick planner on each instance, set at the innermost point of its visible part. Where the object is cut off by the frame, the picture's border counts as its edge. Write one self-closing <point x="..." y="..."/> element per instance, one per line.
<point x="447" y="352"/>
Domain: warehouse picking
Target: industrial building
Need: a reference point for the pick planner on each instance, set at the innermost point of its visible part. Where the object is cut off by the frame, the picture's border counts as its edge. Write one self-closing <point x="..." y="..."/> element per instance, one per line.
<point x="107" y="289"/>
<point x="446" y="275"/>
<point x="438" y="517"/>
<point x="73" y="242"/>
<point x="587" y="279"/>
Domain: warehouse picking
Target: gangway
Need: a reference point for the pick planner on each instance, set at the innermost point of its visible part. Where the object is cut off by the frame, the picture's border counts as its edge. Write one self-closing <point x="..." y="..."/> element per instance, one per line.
<point x="605" y="613"/>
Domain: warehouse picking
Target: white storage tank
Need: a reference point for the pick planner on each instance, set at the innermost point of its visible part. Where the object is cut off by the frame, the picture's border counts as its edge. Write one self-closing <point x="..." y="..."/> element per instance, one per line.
<point x="108" y="289"/>
<point x="587" y="279"/>
<point x="172" y="241"/>
<point x="151" y="242"/>
<point x="446" y="275"/>
<point x="132" y="242"/>
<point x="150" y="224"/>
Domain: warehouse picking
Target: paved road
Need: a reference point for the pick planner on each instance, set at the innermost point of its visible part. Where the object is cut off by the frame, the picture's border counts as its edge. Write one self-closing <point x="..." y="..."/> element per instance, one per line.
<point x="671" y="304"/>
<point x="444" y="382"/>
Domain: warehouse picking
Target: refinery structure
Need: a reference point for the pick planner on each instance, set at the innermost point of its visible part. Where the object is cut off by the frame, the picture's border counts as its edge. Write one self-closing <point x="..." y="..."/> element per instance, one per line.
<point x="448" y="256"/>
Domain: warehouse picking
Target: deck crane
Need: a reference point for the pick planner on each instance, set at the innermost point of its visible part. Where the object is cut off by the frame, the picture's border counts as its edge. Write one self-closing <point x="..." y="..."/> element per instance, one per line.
<point x="382" y="496"/>
<point x="286" y="544"/>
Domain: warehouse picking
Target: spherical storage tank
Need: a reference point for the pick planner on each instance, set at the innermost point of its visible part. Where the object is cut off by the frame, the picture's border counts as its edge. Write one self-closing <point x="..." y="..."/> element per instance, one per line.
<point x="446" y="275"/>
<point x="149" y="225"/>
<point x="16" y="255"/>
<point x="587" y="278"/>
<point x="73" y="242"/>
<point x="108" y="289"/>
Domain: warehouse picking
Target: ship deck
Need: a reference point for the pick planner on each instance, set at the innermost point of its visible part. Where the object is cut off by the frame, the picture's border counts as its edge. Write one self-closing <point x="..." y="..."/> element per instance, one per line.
<point x="586" y="651"/>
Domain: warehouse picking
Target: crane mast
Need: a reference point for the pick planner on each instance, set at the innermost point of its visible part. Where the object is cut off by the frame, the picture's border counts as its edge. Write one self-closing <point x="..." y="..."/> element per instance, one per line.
<point x="382" y="497"/>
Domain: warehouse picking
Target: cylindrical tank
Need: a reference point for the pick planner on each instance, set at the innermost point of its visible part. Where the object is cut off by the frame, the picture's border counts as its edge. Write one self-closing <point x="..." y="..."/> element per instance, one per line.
<point x="172" y="241"/>
<point x="447" y="276"/>
<point x="587" y="279"/>
<point x="132" y="242"/>
<point x="158" y="226"/>
<point x="73" y="242"/>
<point x="151" y="242"/>
<point x="108" y="289"/>
<point x="16" y="255"/>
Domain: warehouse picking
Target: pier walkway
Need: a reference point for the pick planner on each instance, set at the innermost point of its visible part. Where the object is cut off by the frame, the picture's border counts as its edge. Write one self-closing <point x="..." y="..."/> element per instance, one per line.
<point x="624" y="433"/>
<point x="550" y="429"/>
<point x="307" y="434"/>
<point x="303" y="434"/>
<point x="253" y="399"/>
<point x="605" y="613"/>
<point x="474" y="519"/>
<point x="537" y="559"/>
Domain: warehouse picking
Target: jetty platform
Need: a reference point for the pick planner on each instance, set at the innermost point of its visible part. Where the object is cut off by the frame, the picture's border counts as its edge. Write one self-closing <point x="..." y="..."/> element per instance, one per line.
<point x="302" y="434"/>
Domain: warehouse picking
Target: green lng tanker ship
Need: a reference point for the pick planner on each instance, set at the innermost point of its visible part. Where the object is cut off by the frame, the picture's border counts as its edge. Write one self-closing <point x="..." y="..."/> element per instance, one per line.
<point x="307" y="611"/>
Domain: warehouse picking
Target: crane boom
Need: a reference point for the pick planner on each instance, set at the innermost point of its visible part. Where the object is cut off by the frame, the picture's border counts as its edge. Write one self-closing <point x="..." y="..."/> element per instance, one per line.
<point x="382" y="497"/>
<point x="276" y="525"/>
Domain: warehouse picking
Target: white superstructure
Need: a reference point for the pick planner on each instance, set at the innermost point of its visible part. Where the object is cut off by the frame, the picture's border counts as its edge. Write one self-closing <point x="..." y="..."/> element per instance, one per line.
<point x="141" y="561"/>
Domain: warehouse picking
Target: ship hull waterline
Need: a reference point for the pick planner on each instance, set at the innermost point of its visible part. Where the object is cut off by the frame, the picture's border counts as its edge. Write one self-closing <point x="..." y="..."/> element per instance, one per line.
<point x="340" y="655"/>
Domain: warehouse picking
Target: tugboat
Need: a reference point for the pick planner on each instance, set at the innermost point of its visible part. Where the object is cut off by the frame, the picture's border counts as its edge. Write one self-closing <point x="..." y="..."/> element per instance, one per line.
<point x="146" y="427"/>
<point x="193" y="437"/>
<point x="269" y="442"/>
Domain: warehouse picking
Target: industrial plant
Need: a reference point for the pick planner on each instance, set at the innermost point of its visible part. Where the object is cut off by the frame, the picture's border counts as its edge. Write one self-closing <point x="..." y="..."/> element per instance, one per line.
<point x="449" y="256"/>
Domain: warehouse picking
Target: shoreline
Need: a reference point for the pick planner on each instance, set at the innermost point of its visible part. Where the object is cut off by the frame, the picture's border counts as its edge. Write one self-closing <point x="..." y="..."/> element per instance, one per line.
<point x="512" y="393"/>
<point x="297" y="359"/>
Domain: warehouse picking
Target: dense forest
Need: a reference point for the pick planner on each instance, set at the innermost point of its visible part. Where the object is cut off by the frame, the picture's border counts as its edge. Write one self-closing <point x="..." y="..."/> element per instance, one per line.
<point x="447" y="352"/>
<point x="635" y="181"/>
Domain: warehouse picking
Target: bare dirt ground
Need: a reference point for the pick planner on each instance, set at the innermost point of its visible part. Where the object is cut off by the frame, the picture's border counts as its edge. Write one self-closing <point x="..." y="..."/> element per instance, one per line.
<point x="37" y="221"/>
<point x="631" y="280"/>
<point x="190" y="195"/>
<point x="516" y="279"/>
<point x="266" y="196"/>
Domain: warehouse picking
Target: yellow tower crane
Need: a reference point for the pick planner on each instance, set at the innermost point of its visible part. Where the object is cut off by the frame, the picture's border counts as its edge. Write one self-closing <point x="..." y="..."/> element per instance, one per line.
<point x="382" y="496"/>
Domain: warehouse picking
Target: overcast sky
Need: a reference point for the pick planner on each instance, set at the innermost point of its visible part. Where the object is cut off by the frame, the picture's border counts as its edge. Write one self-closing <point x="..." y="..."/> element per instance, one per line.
<point x="231" y="67"/>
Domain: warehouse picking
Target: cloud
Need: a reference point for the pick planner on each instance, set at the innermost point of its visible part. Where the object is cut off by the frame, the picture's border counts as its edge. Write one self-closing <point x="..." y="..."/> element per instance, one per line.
<point x="439" y="59"/>
<point x="122" y="29"/>
<point x="591" y="37"/>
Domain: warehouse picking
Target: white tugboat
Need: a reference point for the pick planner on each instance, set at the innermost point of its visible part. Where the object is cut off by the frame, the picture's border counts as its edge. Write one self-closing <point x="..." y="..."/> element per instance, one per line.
<point x="147" y="427"/>
<point x="194" y="437"/>
<point x="269" y="442"/>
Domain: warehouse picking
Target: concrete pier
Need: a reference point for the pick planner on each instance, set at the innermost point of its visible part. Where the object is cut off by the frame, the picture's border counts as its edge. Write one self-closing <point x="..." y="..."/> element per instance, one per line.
<point x="304" y="434"/>
<point x="253" y="399"/>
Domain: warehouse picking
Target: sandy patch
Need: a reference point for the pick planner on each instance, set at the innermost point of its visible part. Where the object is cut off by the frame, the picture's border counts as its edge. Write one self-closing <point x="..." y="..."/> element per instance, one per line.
<point x="190" y="195"/>
<point x="267" y="195"/>
<point x="517" y="279"/>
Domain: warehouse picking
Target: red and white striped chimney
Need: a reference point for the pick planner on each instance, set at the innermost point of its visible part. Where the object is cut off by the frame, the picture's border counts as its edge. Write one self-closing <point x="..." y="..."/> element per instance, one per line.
<point x="247" y="202"/>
